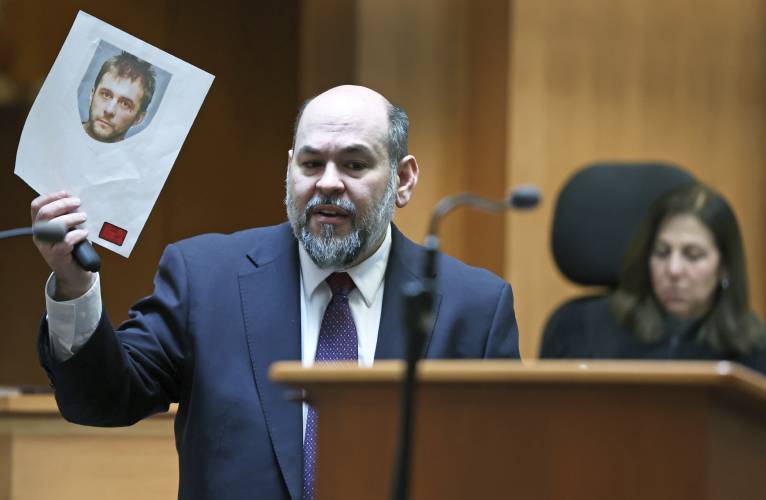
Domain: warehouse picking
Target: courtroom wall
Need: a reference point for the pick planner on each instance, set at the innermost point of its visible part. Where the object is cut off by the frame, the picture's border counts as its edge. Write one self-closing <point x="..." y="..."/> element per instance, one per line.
<point x="682" y="81"/>
<point x="499" y="93"/>
<point x="228" y="176"/>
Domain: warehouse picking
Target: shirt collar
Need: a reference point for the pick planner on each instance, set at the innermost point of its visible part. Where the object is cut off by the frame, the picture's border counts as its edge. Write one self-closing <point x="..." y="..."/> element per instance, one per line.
<point x="367" y="275"/>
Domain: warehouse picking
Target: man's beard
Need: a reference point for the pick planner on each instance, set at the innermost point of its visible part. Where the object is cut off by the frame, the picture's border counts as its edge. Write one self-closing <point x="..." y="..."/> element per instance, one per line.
<point x="329" y="250"/>
<point x="110" y="136"/>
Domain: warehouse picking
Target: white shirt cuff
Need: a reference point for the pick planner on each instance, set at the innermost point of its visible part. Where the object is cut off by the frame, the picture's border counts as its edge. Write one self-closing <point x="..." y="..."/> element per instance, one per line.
<point x="72" y="322"/>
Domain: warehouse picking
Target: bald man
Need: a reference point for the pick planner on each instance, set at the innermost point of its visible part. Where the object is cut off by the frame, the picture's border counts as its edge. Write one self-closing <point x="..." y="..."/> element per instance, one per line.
<point x="225" y="307"/>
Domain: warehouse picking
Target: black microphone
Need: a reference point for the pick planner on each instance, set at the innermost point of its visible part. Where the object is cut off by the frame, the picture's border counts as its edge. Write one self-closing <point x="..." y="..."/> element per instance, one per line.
<point x="53" y="232"/>
<point x="49" y="232"/>
<point x="525" y="197"/>
<point x="418" y="316"/>
<point x="85" y="255"/>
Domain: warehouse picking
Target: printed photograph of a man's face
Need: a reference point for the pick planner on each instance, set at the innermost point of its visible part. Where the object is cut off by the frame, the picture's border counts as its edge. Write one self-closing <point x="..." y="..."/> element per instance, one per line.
<point x="119" y="98"/>
<point x="120" y="94"/>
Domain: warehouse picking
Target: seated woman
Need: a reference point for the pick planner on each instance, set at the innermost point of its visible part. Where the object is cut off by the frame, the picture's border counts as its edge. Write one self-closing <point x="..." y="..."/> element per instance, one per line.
<point x="683" y="292"/>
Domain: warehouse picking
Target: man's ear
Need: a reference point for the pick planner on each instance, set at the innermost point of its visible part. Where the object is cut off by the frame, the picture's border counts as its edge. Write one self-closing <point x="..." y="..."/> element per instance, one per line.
<point x="139" y="118"/>
<point x="407" y="172"/>
<point x="289" y="158"/>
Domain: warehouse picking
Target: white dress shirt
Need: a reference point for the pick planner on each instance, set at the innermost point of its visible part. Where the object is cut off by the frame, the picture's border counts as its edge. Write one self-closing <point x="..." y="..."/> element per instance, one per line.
<point x="365" y="301"/>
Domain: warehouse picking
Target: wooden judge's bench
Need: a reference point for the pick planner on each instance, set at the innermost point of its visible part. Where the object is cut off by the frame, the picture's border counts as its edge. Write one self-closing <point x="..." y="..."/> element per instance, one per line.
<point x="483" y="430"/>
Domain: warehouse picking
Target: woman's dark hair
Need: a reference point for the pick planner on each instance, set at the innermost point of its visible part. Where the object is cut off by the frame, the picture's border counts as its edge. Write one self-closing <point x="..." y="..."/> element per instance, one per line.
<point x="730" y="326"/>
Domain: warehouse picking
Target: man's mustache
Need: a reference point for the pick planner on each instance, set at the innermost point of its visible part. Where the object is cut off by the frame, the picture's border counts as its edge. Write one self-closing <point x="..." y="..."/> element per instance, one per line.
<point x="317" y="201"/>
<point x="105" y="120"/>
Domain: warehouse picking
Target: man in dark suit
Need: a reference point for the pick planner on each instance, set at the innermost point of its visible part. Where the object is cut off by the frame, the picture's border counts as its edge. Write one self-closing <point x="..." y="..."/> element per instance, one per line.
<point x="227" y="306"/>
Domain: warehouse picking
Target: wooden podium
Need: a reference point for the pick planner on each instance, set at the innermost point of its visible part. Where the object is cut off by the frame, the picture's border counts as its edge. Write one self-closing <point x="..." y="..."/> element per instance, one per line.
<point x="543" y="430"/>
<point x="43" y="457"/>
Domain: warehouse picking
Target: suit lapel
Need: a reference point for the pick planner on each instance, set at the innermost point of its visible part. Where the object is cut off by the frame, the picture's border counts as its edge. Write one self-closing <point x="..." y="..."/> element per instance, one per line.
<point x="269" y="289"/>
<point x="404" y="265"/>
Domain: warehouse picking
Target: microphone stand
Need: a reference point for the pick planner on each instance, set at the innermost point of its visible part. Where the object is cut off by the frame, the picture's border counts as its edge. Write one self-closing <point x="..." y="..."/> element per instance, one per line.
<point x="418" y="316"/>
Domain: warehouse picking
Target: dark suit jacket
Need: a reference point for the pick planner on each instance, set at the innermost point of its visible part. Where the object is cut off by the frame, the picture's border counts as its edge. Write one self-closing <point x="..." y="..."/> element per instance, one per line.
<point x="224" y="308"/>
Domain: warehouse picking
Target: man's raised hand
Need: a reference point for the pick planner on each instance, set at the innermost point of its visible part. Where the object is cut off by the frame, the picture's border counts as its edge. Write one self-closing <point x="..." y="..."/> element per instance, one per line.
<point x="71" y="280"/>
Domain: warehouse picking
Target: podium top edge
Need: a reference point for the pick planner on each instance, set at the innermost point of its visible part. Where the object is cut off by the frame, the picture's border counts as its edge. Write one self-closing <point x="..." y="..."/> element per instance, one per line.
<point x="537" y="371"/>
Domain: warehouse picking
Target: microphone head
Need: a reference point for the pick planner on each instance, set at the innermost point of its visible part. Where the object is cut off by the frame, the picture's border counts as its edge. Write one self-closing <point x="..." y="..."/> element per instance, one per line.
<point x="49" y="232"/>
<point x="524" y="197"/>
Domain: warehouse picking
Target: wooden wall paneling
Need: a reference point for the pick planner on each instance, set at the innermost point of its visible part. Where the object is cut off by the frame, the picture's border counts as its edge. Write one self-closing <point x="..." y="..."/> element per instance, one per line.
<point x="35" y="30"/>
<point x="679" y="81"/>
<point x="328" y="39"/>
<point x="445" y="62"/>
<point x="411" y="52"/>
<point x="485" y="128"/>
<point x="238" y="146"/>
<point x="226" y="173"/>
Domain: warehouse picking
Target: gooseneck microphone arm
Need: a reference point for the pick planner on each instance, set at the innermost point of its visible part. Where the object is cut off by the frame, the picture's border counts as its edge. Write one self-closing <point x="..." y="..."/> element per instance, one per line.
<point x="418" y="316"/>
<point x="448" y="204"/>
<point x="12" y="233"/>
<point x="51" y="232"/>
<point x="522" y="198"/>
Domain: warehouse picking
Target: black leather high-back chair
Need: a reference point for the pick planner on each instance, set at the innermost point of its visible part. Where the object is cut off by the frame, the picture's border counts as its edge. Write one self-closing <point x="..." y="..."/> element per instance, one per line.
<point x="597" y="212"/>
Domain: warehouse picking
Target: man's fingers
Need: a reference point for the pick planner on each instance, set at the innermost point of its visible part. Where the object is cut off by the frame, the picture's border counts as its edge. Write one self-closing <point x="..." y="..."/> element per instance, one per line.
<point x="74" y="237"/>
<point x="62" y="248"/>
<point x="56" y="208"/>
<point x="61" y="208"/>
<point x="71" y="219"/>
<point x="44" y="199"/>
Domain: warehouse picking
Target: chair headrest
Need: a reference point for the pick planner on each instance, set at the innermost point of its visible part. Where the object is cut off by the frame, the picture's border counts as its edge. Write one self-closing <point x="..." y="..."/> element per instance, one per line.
<point x="598" y="210"/>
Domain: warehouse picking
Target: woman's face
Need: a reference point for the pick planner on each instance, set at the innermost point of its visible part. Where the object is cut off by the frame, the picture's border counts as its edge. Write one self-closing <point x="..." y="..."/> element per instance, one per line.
<point x="685" y="266"/>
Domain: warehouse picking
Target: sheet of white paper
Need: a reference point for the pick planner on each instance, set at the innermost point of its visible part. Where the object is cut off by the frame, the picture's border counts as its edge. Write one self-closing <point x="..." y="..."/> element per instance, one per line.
<point x="118" y="182"/>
